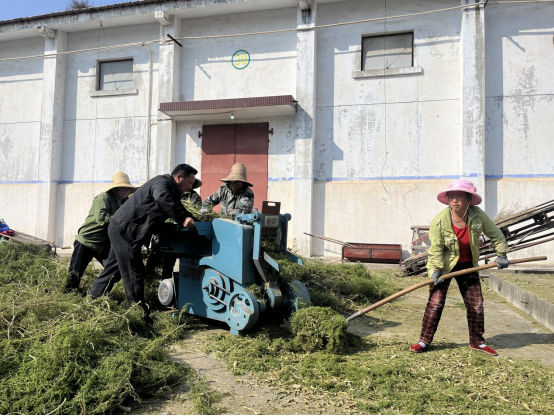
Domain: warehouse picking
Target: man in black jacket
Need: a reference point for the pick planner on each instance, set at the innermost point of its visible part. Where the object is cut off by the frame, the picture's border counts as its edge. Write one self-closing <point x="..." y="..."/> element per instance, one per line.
<point x="134" y="223"/>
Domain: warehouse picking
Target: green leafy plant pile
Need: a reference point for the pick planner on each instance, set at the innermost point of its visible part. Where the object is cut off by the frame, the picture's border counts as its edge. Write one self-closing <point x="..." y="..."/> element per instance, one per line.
<point x="316" y="328"/>
<point x="67" y="354"/>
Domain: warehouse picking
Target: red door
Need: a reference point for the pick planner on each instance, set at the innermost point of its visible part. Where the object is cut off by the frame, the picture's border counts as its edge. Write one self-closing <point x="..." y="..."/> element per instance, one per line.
<point x="226" y="144"/>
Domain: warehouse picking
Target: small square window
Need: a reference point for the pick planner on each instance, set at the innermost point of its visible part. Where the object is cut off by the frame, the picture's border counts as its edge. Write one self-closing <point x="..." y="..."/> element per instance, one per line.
<point x="115" y="75"/>
<point x="387" y="51"/>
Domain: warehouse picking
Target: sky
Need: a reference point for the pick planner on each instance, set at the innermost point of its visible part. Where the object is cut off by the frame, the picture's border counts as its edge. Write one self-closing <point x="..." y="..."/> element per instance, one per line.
<point x="12" y="9"/>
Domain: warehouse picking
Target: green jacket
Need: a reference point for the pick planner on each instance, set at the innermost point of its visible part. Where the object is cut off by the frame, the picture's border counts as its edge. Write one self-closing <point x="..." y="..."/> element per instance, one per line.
<point x="445" y="252"/>
<point x="94" y="232"/>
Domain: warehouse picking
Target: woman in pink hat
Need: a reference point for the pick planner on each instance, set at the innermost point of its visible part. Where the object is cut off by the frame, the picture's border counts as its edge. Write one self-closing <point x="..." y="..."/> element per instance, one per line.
<point x="454" y="236"/>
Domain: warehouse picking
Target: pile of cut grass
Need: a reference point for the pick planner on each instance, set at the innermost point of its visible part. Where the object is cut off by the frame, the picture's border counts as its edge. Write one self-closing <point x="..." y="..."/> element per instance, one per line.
<point x="380" y="375"/>
<point x="317" y="329"/>
<point x="65" y="354"/>
<point x="342" y="287"/>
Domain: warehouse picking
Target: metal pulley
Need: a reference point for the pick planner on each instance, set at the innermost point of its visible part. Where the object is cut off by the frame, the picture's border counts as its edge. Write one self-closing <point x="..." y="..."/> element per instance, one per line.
<point x="166" y="292"/>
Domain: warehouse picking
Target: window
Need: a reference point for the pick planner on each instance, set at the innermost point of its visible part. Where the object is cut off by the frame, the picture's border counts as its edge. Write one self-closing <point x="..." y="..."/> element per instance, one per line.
<point x="115" y="75"/>
<point x="387" y="51"/>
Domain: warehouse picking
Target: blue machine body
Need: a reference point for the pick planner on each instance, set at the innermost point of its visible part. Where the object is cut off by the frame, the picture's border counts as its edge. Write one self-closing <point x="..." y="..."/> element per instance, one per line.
<point x="219" y="261"/>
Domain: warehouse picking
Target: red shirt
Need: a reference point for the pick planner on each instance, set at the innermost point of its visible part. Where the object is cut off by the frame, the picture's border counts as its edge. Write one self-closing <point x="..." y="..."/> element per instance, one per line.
<point x="463" y="242"/>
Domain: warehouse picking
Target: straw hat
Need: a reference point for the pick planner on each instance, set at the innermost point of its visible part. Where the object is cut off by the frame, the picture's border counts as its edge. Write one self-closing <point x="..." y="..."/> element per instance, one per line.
<point x="197" y="184"/>
<point x="238" y="174"/>
<point x="460" y="185"/>
<point x="120" y="180"/>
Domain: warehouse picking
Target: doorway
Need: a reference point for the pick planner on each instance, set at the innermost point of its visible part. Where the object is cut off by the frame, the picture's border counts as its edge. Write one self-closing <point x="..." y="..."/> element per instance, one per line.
<point x="226" y="144"/>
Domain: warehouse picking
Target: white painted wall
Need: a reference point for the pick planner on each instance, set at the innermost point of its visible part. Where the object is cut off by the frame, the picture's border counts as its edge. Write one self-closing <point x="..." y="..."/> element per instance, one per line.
<point x="520" y="109"/>
<point x="20" y="115"/>
<point x="102" y="135"/>
<point x="383" y="147"/>
<point x="381" y="143"/>
<point x="207" y="72"/>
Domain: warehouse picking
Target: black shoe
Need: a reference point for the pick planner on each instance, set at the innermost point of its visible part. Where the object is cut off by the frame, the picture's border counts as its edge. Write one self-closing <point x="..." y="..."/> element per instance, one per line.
<point x="149" y="323"/>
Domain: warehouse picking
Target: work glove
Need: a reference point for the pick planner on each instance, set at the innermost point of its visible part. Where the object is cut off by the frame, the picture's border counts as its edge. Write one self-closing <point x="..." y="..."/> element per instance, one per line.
<point x="502" y="262"/>
<point x="436" y="276"/>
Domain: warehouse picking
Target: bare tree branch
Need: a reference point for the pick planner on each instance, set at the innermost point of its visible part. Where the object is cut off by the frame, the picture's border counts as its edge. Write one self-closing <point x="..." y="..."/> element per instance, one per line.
<point x="78" y="4"/>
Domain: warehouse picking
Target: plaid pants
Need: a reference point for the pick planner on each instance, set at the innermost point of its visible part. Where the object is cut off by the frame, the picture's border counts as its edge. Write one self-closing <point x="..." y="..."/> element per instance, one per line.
<point x="470" y="288"/>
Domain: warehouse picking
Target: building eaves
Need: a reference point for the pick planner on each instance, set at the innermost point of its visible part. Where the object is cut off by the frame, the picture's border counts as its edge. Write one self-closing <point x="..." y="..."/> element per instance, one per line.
<point x="80" y="11"/>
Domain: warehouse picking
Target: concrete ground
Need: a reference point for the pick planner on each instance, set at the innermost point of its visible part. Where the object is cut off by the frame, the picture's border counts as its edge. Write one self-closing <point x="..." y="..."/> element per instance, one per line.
<point x="510" y="331"/>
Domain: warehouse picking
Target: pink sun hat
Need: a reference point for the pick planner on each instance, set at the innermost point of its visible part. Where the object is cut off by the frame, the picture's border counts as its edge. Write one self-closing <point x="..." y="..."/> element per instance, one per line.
<point x="463" y="186"/>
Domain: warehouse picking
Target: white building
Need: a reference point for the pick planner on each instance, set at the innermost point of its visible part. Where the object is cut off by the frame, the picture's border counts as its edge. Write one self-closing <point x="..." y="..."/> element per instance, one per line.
<point x="353" y="121"/>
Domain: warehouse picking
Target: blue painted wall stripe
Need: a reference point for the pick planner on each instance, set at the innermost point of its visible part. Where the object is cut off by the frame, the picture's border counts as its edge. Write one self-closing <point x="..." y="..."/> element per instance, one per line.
<point x="53" y="182"/>
<point x="332" y="179"/>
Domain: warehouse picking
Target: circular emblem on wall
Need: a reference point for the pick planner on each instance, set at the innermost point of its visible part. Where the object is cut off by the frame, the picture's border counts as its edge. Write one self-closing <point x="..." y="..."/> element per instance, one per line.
<point x="240" y="59"/>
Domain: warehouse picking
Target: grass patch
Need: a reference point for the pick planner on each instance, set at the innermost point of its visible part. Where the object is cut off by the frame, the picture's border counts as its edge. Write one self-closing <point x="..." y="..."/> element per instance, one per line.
<point x="66" y="354"/>
<point x="540" y="285"/>
<point x="380" y="375"/>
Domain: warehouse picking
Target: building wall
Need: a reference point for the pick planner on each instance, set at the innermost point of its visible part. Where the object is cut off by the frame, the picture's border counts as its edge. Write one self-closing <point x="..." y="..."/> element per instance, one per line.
<point x="381" y="143"/>
<point x="20" y="115"/>
<point x="106" y="134"/>
<point x="206" y="69"/>
<point x="207" y="73"/>
<point x="384" y="146"/>
<point x="520" y="106"/>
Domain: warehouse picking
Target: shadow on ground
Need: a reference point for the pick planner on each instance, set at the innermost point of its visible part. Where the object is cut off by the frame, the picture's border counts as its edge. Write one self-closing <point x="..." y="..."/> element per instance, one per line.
<point x="520" y="340"/>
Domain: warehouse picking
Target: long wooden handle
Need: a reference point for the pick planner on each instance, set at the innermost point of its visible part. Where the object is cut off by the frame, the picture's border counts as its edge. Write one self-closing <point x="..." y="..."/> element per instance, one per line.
<point x="429" y="282"/>
<point x="332" y="240"/>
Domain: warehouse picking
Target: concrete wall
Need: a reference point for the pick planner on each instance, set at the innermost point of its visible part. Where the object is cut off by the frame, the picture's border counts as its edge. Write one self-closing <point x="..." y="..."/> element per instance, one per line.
<point x="539" y="309"/>
<point x="384" y="146"/>
<point x="207" y="72"/>
<point x="381" y="143"/>
<point x="105" y="134"/>
<point x="520" y="109"/>
<point x="20" y="118"/>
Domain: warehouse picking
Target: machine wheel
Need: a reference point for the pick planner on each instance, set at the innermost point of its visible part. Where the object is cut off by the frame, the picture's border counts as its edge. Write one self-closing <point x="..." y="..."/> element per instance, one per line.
<point x="216" y="289"/>
<point x="166" y="292"/>
<point x="243" y="311"/>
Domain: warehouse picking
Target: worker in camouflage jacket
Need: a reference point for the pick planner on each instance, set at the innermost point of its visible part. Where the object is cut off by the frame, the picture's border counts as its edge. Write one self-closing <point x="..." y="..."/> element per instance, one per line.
<point x="92" y="239"/>
<point x="235" y="194"/>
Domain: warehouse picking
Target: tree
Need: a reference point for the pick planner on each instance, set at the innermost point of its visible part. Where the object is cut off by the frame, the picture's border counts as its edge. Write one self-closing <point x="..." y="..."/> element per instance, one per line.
<point x="78" y="4"/>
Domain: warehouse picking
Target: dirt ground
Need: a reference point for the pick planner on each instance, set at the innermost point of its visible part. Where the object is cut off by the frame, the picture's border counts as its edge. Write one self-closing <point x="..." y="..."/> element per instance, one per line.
<point x="511" y="332"/>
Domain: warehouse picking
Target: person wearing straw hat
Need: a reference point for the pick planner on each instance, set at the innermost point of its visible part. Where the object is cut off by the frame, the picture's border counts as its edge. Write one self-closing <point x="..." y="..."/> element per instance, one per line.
<point x="235" y="194"/>
<point x="133" y="226"/>
<point x="92" y="239"/>
<point x="454" y="235"/>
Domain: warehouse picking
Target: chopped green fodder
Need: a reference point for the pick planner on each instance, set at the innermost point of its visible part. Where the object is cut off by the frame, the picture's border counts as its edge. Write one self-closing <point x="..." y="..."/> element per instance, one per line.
<point x="68" y="354"/>
<point x="376" y="374"/>
<point x="207" y="216"/>
<point x="380" y="375"/>
<point x="316" y="328"/>
<point x="343" y="287"/>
